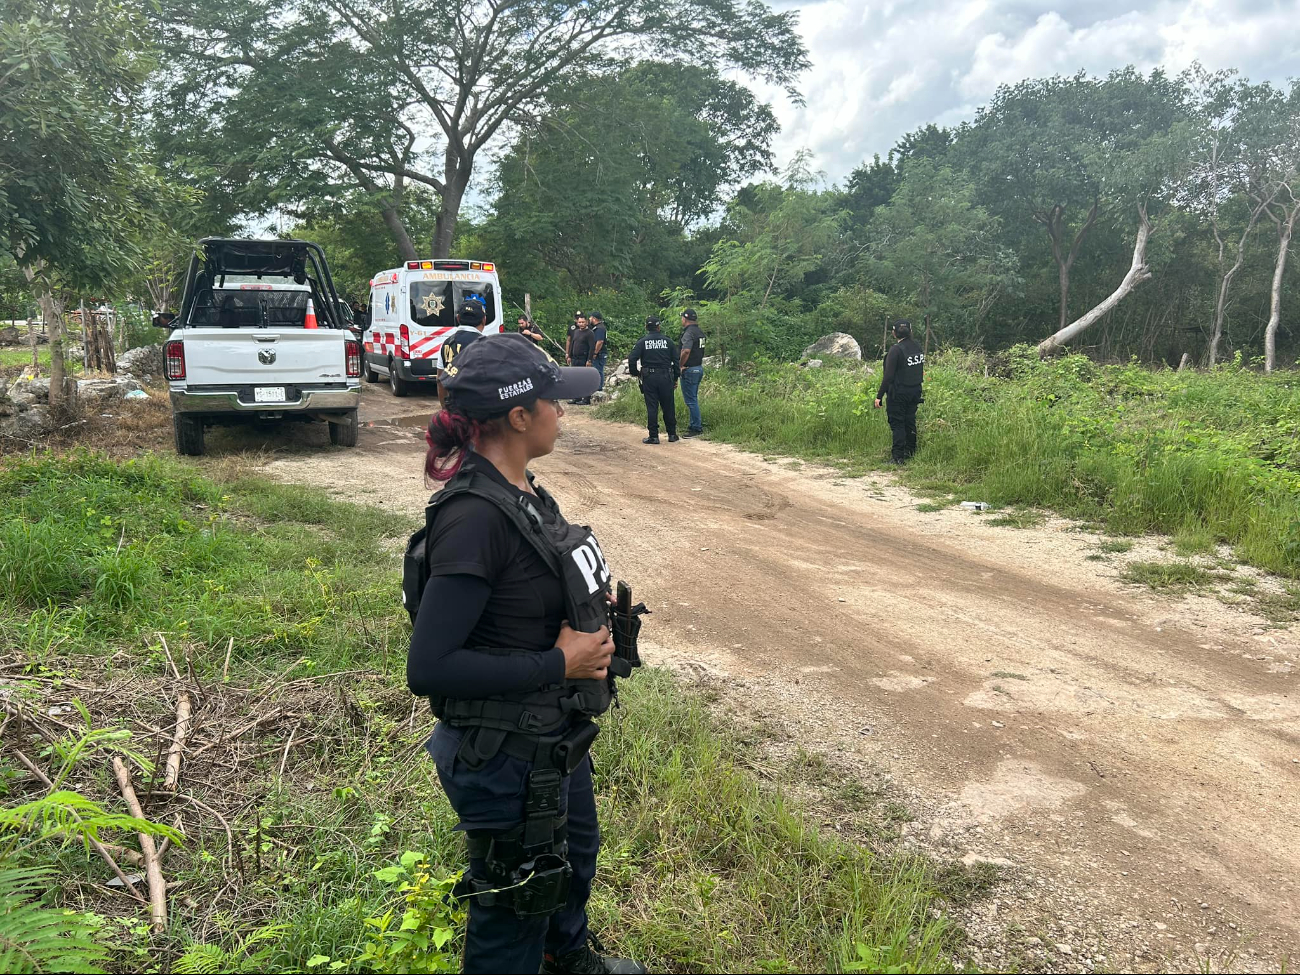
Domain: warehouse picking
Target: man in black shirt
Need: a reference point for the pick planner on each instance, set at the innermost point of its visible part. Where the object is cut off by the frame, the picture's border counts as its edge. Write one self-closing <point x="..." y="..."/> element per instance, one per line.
<point x="904" y="373"/>
<point x="654" y="361"/>
<point x="579" y="321"/>
<point x="582" y="349"/>
<point x="692" y="363"/>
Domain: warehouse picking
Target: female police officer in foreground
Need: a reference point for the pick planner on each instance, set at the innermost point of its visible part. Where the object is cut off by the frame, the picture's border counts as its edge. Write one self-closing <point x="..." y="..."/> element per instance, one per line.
<point x="511" y="647"/>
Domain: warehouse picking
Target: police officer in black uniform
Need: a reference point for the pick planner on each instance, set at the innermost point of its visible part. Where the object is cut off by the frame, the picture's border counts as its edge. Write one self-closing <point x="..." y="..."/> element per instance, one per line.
<point x="901" y="383"/>
<point x="654" y="361"/>
<point x="512" y="646"/>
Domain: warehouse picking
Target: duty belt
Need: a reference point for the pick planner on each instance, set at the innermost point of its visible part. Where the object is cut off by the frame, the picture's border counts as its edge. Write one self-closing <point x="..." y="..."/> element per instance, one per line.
<point x="656" y="369"/>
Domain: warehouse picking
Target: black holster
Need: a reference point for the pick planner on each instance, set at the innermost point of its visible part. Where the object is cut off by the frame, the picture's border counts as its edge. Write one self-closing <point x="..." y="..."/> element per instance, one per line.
<point x="528" y="867"/>
<point x="625" y="628"/>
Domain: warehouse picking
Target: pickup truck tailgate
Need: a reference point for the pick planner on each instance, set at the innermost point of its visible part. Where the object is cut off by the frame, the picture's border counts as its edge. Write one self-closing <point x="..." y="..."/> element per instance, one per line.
<point x="263" y="356"/>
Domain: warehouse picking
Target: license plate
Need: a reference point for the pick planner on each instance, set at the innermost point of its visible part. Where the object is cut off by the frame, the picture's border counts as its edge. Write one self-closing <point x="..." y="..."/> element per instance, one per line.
<point x="268" y="394"/>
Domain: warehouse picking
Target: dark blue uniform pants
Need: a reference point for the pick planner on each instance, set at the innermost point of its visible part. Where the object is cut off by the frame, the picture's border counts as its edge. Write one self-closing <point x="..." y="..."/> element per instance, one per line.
<point x="900" y="408"/>
<point x="491" y="798"/>
<point x="657" y="388"/>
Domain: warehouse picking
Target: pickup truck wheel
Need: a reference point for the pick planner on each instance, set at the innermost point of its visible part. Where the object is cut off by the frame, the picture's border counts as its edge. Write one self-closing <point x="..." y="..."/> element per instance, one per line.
<point x="370" y="374"/>
<point x="399" y="386"/>
<point x="343" y="433"/>
<point x="189" y="434"/>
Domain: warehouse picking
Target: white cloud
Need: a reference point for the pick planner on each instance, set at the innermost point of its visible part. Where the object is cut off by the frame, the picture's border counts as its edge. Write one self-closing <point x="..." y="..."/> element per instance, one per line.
<point x="882" y="70"/>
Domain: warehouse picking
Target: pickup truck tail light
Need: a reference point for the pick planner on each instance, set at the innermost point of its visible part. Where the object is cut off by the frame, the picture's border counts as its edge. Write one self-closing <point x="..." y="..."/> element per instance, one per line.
<point x="354" y="357"/>
<point x="175" y="360"/>
<point x="405" y="334"/>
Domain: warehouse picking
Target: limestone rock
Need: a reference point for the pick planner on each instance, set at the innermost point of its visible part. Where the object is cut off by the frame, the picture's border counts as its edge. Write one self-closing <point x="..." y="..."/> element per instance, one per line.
<point x="146" y="361"/>
<point x="838" y="344"/>
<point x="101" y="392"/>
<point x="27" y="425"/>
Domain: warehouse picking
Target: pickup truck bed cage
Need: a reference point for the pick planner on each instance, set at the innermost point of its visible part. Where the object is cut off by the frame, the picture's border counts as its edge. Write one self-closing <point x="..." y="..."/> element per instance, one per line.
<point x="216" y="258"/>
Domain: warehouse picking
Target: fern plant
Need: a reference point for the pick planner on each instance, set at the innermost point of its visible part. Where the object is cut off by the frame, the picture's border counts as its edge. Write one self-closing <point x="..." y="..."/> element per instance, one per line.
<point x="33" y="937"/>
<point x="37" y="939"/>
<point x="251" y="953"/>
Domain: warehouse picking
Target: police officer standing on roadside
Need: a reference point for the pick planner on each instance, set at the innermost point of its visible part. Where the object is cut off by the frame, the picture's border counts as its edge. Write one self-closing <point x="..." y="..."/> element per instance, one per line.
<point x="901" y="383"/>
<point x="514" y="649"/>
<point x="655" y="363"/>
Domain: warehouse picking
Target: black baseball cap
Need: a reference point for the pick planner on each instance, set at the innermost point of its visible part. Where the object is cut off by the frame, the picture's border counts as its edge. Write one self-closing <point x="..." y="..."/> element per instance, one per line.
<point x="499" y="372"/>
<point x="652" y="320"/>
<point x="579" y="314"/>
<point x="469" y="313"/>
<point x="597" y="316"/>
<point x="689" y="314"/>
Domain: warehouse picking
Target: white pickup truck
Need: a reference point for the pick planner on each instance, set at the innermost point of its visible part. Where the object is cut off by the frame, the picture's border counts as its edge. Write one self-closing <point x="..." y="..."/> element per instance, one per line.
<point x="261" y="335"/>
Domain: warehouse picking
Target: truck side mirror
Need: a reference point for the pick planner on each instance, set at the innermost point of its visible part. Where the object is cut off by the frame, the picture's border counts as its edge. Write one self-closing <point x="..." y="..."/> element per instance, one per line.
<point x="164" y="320"/>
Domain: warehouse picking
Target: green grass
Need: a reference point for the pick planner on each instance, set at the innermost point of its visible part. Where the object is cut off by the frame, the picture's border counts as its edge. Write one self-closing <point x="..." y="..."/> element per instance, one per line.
<point x="1019" y="519"/>
<point x="703" y="868"/>
<point x="1167" y="576"/>
<point x="1209" y="457"/>
<point x="15" y="357"/>
<point x="1115" y="546"/>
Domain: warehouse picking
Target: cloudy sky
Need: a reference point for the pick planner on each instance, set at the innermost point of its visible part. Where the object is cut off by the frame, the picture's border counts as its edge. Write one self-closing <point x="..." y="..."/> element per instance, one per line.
<point x="883" y="69"/>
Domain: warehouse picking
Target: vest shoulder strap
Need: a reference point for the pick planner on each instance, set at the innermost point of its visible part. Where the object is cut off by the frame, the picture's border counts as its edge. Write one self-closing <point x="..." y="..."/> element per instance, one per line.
<point x="519" y="510"/>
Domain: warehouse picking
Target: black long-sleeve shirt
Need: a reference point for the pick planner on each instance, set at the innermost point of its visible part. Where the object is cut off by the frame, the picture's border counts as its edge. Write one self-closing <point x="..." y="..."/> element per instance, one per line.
<point x="488" y="589"/>
<point x="441" y="665"/>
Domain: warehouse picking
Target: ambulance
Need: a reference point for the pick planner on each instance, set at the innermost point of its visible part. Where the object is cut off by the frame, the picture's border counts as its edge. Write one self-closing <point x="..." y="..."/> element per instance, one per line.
<point x="413" y="310"/>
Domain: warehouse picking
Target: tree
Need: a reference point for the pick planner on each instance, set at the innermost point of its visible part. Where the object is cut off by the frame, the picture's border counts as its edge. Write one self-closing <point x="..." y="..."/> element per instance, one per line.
<point x="1139" y="155"/>
<point x="369" y="94"/>
<point x="71" y="202"/>
<point x="777" y="235"/>
<point x="352" y="231"/>
<point x="1033" y="150"/>
<point x="932" y="246"/>
<point x="1229" y="161"/>
<point x="603" y="187"/>
<point x="1279" y="194"/>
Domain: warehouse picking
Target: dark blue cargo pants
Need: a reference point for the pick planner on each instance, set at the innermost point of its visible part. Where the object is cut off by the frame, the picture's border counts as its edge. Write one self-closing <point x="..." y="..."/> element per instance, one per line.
<point x="491" y="799"/>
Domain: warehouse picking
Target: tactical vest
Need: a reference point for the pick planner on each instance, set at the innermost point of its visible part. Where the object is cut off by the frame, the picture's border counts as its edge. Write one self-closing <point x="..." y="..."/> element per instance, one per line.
<point x="574" y="555"/>
<point x="909" y="371"/>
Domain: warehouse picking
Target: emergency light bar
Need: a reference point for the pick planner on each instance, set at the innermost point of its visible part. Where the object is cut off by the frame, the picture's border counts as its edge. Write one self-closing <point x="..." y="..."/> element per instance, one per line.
<point x="449" y="266"/>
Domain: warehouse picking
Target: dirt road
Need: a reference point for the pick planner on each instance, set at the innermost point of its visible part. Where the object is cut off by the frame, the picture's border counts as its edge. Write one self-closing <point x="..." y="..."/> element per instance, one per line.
<point x="1132" y="760"/>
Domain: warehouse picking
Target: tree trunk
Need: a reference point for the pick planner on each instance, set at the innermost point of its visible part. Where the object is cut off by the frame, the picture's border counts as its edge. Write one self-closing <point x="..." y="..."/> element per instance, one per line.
<point x="1137" y="273"/>
<point x="1054" y="222"/>
<point x="453" y="191"/>
<point x="1221" y="306"/>
<point x="405" y="246"/>
<point x="1185" y="362"/>
<point x="63" y="389"/>
<point x="1284" y="230"/>
<point x="1063" y="276"/>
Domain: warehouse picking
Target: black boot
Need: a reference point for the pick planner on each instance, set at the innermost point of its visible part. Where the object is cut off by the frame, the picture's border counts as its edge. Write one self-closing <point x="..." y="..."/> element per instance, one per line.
<point x="673" y="438"/>
<point x="650" y="440"/>
<point x="585" y="960"/>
